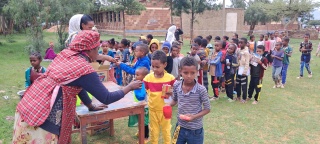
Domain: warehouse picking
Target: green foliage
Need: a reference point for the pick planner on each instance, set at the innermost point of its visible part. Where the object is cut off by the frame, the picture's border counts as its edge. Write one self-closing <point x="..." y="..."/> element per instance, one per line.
<point x="193" y="7"/>
<point x="35" y="13"/>
<point x="255" y="14"/>
<point x="314" y="23"/>
<point x="130" y="7"/>
<point x="26" y="12"/>
<point x="238" y="4"/>
<point x="62" y="11"/>
<point x="292" y="9"/>
<point x="2" y="4"/>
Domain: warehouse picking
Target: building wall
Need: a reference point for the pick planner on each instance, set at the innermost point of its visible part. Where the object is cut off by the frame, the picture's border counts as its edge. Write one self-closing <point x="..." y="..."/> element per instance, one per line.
<point x="155" y="19"/>
<point x="211" y="23"/>
<point x="271" y="27"/>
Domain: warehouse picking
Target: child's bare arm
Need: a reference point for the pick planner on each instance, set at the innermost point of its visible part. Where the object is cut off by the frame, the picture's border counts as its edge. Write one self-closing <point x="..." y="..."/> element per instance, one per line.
<point x="173" y="103"/>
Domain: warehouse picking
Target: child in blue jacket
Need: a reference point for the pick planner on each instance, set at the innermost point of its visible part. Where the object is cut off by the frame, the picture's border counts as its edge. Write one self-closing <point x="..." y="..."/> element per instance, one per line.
<point x="35" y="71"/>
<point x="140" y="53"/>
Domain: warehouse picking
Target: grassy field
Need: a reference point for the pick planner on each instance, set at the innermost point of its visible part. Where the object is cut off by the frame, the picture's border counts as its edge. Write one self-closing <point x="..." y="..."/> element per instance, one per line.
<point x="289" y="115"/>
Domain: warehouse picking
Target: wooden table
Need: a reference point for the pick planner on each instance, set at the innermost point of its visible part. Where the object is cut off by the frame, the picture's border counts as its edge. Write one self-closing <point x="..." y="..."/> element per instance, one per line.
<point x="122" y="108"/>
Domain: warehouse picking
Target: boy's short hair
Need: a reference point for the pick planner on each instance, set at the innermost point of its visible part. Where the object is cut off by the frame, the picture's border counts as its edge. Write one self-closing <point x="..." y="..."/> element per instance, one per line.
<point x="261" y="47"/>
<point x="244" y="39"/>
<point x="175" y="46"/>
<point x="197" y="40"/>
<point x="194" y="45"/>
<point x="144" y="70"/>
<point x="150" y="36"/>
<point x="188" y="61"/>
<point x="200" y="37"/>
<point x="251" y="36"/>
<point x="143" y="47"/>
<point x="262" y="35"/>
<point x="280" y="43"/>
<point x="159" y="55"/>
<point x="226" y="37"/>
<point x="236" y="41"/>
<point x="37" y="55"/>
<point x="209" y="37"/>
<point x="220" y="42"/>
<point x="236" y="35"/>
<point x="144" y="41"/>
<point x="307" y="34"/>
<point x="176" y="43"/>
<point x="204" y="43"/>
<point x="217" y="38"/>
<point x="287" y="39"/>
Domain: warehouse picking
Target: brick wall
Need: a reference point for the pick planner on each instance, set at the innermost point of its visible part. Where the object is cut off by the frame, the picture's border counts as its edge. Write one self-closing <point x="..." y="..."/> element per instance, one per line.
<point x="269" y="27"/>
<point x="155" y="20"/>
<point x="211" y="23"/>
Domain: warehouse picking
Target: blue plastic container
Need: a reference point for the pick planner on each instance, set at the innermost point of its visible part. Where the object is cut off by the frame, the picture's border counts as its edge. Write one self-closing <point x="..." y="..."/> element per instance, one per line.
<point x="140" y="94"/>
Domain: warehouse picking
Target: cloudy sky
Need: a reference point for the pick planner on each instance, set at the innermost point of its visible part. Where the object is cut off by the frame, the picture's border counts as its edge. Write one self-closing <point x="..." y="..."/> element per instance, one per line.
<point x="316" y="13"/>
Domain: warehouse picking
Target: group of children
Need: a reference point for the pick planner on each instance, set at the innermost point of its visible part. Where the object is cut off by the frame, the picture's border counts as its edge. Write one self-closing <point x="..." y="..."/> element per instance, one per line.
<point x="229" y="63"/>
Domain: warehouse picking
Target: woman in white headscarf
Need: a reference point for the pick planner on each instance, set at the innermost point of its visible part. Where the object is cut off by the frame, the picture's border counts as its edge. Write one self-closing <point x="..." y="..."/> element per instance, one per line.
<point x="170" y="34"/>
<point x="81" y="22"/>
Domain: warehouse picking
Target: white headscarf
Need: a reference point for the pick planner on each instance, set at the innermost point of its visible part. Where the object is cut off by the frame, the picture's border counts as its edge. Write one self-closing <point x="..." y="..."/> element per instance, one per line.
<point x="170" y="35"/>
<point x="74" y="23"/>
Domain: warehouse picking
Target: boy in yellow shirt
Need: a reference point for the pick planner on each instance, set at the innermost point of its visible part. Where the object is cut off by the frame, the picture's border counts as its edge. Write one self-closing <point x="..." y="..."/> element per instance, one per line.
<point x="153" y="83"/>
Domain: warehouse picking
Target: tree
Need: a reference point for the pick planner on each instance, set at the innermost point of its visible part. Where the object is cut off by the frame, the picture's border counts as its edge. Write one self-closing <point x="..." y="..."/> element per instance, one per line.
<point x="255" y="14"/>
<point x="26" y="12"/>
<point x="61" y="11"/>
<point x="290" y="9"/>
<point x="238" y="4"/>
<point x="314" y="23"/>
<point x="129" y="7"/>
<point x="194" y="7"/>
<point x="37" y="14"/>
<point x="305" y="18"/>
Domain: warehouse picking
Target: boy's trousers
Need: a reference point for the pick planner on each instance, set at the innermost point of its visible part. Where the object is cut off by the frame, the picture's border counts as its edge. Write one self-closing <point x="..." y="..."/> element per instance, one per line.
<point x="242" y="84"/>
<point x="255" y="84"/>
<point x="229" y="85"/>
<point x="158" y="121"/>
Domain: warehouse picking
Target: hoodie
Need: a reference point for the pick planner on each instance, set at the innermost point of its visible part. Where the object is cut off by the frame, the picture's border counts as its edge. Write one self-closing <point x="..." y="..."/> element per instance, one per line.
<point x="170" y="34"/>
<point x="168" y="68"/>
<point x="141" y="62"/>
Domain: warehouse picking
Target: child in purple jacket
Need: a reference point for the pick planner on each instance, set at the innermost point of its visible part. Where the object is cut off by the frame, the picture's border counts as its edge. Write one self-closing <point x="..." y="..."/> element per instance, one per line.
<point x="50" y="54"/>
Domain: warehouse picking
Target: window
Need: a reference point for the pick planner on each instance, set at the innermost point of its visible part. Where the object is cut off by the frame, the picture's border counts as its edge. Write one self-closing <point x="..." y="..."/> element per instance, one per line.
<point x="114" y="17"/>
<point x="110" y="16"/>
<point x="101" y="17"/>
<point x="94" y="17"/>
<point x="107" y="16"/>
<point x="119" y="17"/>
<point x="263" y="23"/>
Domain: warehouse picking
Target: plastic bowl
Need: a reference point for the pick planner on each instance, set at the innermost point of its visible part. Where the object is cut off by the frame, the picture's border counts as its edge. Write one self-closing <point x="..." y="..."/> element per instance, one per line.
<point x="20" y="93"/>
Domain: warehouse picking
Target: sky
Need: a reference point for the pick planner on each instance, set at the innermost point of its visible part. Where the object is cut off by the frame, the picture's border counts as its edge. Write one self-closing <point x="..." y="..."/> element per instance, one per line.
<point x="316" y="13"/>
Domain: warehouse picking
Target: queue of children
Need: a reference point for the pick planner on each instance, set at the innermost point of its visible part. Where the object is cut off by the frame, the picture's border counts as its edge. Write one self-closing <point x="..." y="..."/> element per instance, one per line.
<point x="229" y="63"/>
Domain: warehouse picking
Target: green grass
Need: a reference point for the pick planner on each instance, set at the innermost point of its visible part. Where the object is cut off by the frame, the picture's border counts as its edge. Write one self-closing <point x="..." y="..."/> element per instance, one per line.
<point x="289" y="115"/>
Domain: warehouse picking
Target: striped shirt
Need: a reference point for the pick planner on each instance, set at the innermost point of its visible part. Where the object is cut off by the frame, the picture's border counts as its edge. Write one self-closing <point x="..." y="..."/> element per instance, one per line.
<point x="191" y="103"/>
<point x="154" y="89"/>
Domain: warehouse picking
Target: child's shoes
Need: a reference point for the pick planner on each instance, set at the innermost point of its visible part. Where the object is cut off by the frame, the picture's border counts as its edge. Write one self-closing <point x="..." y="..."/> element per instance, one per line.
<point x="230" y="100"/>
<point x="255" y="102"/>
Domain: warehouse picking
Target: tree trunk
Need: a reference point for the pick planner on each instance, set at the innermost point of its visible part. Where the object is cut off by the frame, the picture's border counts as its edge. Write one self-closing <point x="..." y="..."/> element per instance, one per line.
<point x="252" y="26"/>
<point x="181" y="25"/>
<point x="290" y="22"/>
<point x="124" y="25"/>
<point x="192" y="20"/>
<point x="171" y="7"/>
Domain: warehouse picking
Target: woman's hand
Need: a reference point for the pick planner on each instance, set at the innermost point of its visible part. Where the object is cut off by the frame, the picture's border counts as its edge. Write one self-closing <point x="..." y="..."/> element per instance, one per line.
<point x="111" y="59"/>
<point x="135" y="85"/>
<point x="93" y="107"/>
